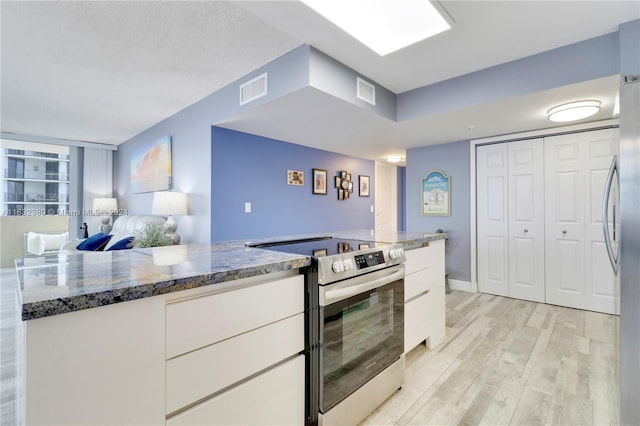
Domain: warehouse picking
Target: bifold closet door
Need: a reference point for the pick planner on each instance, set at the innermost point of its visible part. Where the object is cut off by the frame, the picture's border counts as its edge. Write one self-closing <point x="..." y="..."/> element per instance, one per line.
<point x="492" y="182"/>
<point x="526" y="220"/>
<point x="578" y="274"/>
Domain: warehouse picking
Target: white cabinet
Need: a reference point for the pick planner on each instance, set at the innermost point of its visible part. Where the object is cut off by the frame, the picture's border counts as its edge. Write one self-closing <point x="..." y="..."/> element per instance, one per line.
<point x="424" y="283"/>
<point x="223" y="354"/>
<point x="210" y="369"/>
<point x="539" y="220"/>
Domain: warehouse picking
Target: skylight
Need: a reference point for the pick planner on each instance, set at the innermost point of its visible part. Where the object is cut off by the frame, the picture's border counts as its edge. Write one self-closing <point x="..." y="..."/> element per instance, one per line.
<point x="384" y="25"/>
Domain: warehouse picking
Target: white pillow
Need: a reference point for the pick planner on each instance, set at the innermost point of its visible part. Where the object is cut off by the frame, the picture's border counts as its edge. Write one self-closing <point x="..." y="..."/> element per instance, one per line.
<point x="35" y="243"/>
<point x="54" y="241"/>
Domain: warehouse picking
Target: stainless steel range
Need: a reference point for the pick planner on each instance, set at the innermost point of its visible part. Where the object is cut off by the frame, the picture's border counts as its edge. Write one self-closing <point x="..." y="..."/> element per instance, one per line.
<point x="355" y="325"/>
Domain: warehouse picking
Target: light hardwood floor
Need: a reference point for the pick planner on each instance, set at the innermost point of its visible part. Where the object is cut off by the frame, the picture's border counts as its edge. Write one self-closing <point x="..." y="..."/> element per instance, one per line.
<point x="510" y="362"/>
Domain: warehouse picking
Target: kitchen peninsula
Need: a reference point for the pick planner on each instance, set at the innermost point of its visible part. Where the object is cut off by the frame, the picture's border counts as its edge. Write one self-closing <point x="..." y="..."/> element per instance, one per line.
<point x="170" y="335"/>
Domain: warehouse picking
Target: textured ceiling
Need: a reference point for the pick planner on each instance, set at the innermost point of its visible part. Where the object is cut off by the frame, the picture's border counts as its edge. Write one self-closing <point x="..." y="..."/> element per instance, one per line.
<point x="103" y="71"/>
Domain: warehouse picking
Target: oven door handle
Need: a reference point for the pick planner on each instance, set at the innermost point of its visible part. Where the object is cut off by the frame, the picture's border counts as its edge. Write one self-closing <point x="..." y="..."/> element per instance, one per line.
<point x="332" y="296"/>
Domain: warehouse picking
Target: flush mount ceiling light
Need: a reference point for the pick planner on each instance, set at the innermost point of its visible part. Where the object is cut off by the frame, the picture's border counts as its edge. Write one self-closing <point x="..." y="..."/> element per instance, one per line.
<point x="394" y="158"/>
<point x="385" y="25"/>
<point x="573" y="111"/>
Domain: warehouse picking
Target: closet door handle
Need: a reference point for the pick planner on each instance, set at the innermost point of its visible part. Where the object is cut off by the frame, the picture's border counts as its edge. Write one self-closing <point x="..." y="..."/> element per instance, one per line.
<point x="613" y="258"/>
<point x="564" y="231"/>
<point x="526" y="230"/>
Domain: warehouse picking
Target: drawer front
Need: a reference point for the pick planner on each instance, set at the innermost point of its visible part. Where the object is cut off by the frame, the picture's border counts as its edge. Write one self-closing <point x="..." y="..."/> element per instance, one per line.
<point x="201" y="373"/>
<point x="416" y="318"/>
<point x="416" y="260"/>
<point x="417" y="283"/>
<point x="201" y="321"/>
<point x="275" y="397"/>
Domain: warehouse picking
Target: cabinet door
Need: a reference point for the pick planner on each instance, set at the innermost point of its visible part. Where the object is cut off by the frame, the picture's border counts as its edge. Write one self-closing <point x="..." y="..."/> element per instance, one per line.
<point x="492" y="218"/>
<point x="526" y="219"/>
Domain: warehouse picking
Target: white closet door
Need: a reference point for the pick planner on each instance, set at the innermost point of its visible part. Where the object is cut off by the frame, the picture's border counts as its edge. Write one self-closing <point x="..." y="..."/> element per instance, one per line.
<point x="602" y="286"/>
<point x="565" y="220"/>
<point x="493" y="219"/>
<point x="526" y="220"/>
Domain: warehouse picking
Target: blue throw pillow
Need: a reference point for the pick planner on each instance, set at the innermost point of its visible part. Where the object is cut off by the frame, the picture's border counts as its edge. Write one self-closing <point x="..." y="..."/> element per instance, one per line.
<point x="94" y="243"/>
<point x="123" y="244"/>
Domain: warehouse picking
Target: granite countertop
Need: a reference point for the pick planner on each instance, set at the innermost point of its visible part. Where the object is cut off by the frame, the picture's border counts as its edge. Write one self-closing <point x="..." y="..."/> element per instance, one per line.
<point x="58" y="284"/>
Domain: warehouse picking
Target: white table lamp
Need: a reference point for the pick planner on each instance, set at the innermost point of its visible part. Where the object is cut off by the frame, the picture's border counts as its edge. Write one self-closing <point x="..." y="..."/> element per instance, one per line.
<point x="170" y="203"/>
<point x="106" y="207"/>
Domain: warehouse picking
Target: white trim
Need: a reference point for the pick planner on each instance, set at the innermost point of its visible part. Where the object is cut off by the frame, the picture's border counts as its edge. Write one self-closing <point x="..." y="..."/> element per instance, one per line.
<point x="463" y="286"/>
<point x="504" y="138"/>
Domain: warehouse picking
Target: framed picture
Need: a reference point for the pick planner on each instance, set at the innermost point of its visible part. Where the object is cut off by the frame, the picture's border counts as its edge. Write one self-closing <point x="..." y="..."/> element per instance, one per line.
<point x="343" y="174"/>
<point x="151" y="166"/>
<point x="363" y="246"/>
<point x="340" y="194"/>
<point x="350" y="186"/>
<point x="319" y="181"/>
<point x="436" y="194"/>
<point x="338" y="181"/>
<point x="364" y="185"/>
<point x="295" y="177"/>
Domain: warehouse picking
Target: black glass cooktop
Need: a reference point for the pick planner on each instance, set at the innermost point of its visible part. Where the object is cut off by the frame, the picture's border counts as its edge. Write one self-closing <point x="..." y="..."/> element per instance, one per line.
<point x="320" y="247"/>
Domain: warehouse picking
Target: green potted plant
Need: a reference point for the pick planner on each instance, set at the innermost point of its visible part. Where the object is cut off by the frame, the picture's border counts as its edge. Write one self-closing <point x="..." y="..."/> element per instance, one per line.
<point x="152" y="235"/>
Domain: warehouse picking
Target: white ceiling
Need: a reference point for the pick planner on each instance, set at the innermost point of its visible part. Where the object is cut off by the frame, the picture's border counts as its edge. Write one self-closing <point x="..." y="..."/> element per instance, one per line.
<point x="103" y="71"/>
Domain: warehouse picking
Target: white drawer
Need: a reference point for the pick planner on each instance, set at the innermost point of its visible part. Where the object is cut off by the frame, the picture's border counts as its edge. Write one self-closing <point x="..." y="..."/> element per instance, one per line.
<point x="275" y="397"/>
<point x="416" y="322"/>
<point x="201" y="321"/>
<point x="417" y="283"/>
<point x="201" y="373"/>
<point x="416" y="260"/>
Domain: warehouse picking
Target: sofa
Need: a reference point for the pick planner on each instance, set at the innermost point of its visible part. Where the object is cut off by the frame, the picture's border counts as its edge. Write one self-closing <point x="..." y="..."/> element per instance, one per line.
<point x="122" y="236"/>
<point x="44" y="243"/>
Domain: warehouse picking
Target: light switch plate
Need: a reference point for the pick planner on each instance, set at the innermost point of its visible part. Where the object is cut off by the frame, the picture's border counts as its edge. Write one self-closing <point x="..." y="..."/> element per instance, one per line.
<point x="247" y="207"/>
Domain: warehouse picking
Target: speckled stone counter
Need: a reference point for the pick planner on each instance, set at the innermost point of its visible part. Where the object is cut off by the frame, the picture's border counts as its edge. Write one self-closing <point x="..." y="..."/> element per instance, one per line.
<point x="60" y="284"/>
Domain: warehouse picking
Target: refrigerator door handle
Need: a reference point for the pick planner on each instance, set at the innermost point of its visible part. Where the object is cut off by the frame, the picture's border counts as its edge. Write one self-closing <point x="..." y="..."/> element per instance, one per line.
<point x="613" y="258"/>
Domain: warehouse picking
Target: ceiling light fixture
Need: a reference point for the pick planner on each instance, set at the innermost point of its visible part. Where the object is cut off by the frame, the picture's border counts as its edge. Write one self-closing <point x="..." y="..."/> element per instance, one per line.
<point x="573" y="111"/>
<point x="384" y="25"/>
<point x="394" y="158"/>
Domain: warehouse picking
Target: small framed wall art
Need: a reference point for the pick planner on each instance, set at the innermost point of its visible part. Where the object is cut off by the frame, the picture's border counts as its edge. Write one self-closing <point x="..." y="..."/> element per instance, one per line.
<point x="295" y="177"/>
<point x="320" y="181"/>
<point x="436" y="194"/>
<point x="364" y="185"/>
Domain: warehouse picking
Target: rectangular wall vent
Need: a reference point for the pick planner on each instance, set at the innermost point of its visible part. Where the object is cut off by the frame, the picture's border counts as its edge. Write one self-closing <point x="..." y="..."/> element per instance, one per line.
<point x="253" y="89"/>
<point x="366" y="91"/>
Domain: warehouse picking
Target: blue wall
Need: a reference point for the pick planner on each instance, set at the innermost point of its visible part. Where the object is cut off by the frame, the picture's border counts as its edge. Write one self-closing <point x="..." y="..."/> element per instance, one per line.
<point x="453" y="159"/>
<point x="250" y="168"/>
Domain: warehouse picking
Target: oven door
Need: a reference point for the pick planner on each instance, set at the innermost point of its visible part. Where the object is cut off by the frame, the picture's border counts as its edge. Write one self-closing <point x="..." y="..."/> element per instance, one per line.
<point x="362" y="331"/>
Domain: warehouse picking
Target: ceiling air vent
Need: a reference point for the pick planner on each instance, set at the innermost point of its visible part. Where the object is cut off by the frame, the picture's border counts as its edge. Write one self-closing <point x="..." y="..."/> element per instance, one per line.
<point x="253" y="89"/>
<point x="366" y="91"/>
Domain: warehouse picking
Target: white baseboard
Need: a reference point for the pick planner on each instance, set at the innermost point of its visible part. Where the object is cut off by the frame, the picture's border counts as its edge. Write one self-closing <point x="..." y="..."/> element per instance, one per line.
<point x="463" y="286"/>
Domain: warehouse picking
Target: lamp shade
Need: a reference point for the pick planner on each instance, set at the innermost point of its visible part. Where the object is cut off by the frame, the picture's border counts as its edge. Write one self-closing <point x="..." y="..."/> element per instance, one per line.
<point x="169" y="203"/>
<point x="105" y="206"/>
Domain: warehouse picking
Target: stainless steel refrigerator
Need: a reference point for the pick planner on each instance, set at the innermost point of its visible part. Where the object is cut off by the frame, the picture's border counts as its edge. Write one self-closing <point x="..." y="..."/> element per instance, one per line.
<point x="623" y="246"/>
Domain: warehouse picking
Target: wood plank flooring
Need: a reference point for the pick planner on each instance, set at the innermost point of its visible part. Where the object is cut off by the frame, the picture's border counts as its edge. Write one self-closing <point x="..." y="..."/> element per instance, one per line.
<point x="510" y="362"/>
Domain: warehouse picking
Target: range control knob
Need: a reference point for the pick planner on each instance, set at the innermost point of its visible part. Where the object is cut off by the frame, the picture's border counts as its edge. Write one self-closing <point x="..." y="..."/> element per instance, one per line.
<point x="395" y="253"/>
<point x="337" y="266"/>
<point x="348" y="264"/>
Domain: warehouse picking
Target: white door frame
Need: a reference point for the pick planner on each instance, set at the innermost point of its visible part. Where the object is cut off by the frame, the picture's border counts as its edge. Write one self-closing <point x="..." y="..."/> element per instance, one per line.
<point x="505" y="138"/>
